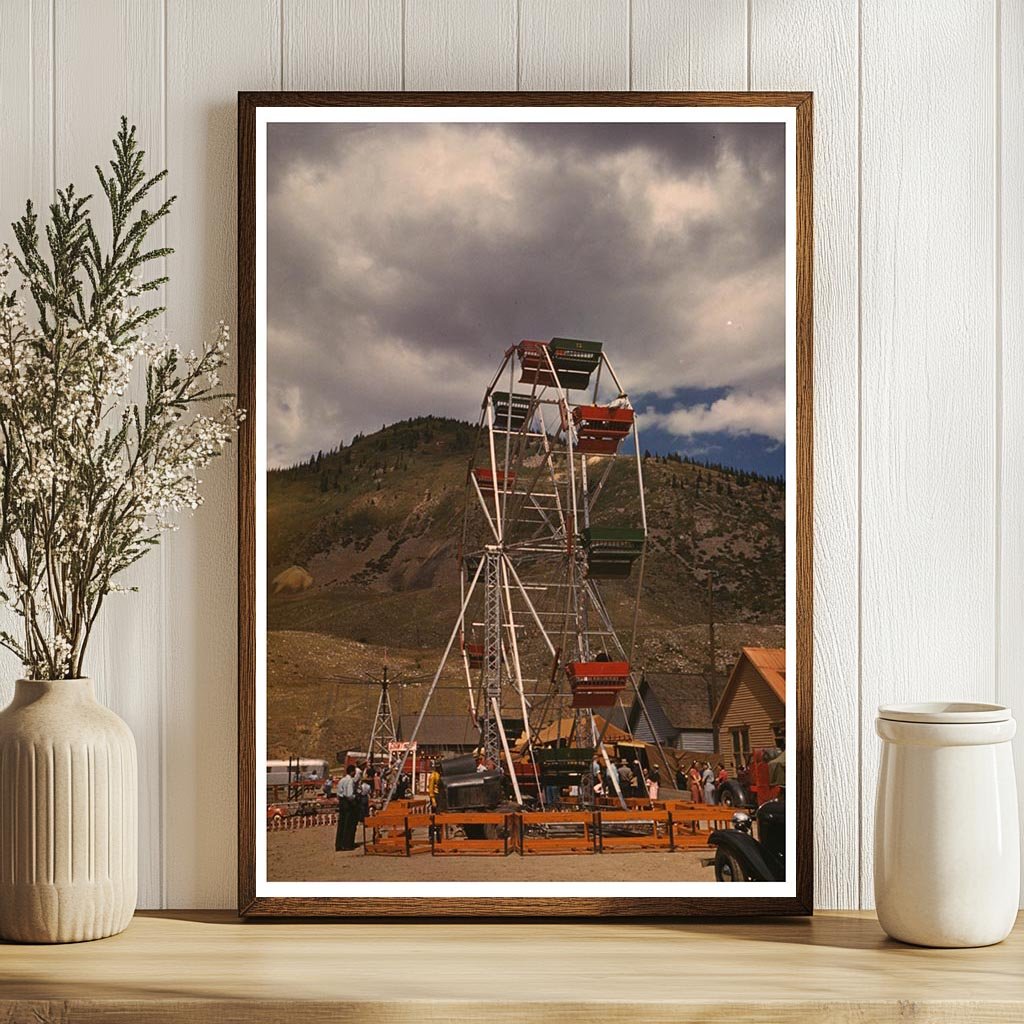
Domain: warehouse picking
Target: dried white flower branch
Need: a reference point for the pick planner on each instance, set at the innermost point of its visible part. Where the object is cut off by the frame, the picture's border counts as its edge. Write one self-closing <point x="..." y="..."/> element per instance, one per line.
<point x="89" y="478"/>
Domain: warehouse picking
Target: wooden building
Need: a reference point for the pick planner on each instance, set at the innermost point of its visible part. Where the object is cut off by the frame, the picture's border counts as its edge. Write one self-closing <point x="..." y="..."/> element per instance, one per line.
<point x="752" y="710"/>
<point x="679" y="707"/>
<point x="441" y="735"/>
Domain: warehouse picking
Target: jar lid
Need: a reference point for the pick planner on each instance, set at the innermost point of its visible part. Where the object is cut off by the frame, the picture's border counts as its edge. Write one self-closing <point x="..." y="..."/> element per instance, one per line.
<point x="945" y="713"/>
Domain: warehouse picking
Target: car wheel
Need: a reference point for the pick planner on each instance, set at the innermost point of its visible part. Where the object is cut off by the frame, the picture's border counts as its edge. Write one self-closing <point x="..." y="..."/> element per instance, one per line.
<point x="727" y="798"/>
<point x="728" y="868"/>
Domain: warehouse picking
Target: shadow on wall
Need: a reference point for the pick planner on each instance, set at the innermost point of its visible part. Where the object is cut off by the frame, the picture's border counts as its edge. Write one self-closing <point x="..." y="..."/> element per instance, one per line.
<point x="201" y="561"/>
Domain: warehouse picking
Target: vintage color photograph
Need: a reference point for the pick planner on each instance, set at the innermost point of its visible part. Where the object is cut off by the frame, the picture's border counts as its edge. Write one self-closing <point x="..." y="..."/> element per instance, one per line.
<point x="526" y="502"/>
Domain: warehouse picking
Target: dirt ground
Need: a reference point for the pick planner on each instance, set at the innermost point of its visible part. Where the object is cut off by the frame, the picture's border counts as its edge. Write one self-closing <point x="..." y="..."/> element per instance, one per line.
<point x="307" y="855"/>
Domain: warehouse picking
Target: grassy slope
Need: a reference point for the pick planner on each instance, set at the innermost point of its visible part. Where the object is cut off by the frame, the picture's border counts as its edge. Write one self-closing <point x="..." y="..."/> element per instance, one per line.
<point x="377" y="524"/>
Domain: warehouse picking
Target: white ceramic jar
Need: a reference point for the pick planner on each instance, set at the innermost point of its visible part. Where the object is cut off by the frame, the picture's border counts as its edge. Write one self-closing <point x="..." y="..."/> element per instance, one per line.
<point x="68" y="815"/>
<point x="947" y="847"/>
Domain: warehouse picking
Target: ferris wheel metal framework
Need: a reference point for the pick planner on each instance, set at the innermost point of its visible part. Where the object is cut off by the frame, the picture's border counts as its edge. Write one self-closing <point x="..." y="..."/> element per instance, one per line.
<point x="533" y="550"/>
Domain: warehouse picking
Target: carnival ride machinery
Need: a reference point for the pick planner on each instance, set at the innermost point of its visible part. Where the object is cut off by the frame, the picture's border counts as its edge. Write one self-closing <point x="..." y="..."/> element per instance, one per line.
<point x="552" y="554"/>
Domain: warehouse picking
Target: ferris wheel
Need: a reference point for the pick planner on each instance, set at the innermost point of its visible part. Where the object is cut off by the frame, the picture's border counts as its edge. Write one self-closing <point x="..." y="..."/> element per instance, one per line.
<point x="552" y="553"/>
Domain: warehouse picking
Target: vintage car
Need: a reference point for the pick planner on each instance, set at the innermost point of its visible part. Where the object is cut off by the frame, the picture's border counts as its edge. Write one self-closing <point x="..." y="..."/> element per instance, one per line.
<point x="465" y="788"/>
<point x="739" y="857"/>
<point x="752" y="787"/>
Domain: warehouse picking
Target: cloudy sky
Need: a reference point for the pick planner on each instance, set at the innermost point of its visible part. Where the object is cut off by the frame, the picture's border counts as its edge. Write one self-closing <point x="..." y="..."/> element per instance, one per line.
<point x="405" y="259"/>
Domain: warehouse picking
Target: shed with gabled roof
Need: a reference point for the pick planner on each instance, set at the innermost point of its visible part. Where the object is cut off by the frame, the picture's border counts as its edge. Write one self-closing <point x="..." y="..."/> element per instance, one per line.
<point x="678" y="709"/>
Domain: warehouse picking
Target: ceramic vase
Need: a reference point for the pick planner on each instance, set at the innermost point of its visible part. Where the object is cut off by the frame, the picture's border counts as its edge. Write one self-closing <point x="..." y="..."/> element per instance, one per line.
<point x="947" y="847"/>
<point x="68" y="815"/>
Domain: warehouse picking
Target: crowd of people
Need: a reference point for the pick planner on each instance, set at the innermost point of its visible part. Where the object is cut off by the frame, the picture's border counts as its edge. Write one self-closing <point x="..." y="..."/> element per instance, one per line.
<point x="630" y="779"/>
<point x="362" y="788"/>
<point x="358" y="789"/>
<point x="702" y="781"/>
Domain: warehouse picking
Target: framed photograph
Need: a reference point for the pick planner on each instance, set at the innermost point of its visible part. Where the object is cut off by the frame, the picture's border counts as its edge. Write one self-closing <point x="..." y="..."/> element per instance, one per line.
<point x="525" y="504"/>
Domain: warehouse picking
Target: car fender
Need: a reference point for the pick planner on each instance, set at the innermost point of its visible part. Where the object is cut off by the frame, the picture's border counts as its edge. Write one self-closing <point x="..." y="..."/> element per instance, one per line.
<point x="745" y="849"/>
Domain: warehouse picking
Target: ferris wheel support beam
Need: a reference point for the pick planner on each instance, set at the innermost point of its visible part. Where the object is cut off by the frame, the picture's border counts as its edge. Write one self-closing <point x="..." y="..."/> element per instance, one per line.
<point x="505" y="567"/>
<point x="508" y="755"/>
<point x="636" y="606"/>
<point x="532" y="609"/>
<point x="544" y="517"/>
<point x="469" y="683"/>
<point x="494" y="470"/>
<point x="490" y="727"/>
<point x="566" y="414"/>
<point x="602" y="611"/>
<point x="494" y="380"/>
<point x="549" y="463"/>
<point x="643" y="520"/>
<point x="508" y="443"/>
<point x="483" y="507"/>
<point x="614" y="776"/>
<point x="520" y="446"/>
<point x="600" y="484"/>
<point x="584" y="484"/>
<point x="433" y="685"/>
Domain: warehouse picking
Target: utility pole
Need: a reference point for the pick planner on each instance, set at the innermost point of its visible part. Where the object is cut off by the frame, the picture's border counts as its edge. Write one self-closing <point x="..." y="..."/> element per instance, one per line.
<point x="711" y="654"/>
<point x="383" y="733"/>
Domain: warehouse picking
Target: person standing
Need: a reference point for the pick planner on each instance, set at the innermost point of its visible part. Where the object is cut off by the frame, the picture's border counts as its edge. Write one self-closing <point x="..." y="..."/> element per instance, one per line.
<point x="708" y="779"/>
<point x="695" y="784"/>
<point x="654" y="782"/>
<point x="433" y="786"/>
<point x="613" y="778"/>
<point x="626" y="778"/>
<point x="433" y="794"/>
<point x="639" y="781"/>
<point x="363" y="791"/>
<point x="348" y="810"/>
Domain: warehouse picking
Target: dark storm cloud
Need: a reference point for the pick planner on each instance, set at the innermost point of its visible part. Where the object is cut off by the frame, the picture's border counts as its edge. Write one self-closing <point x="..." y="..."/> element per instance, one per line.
<point x="404" y="259"/>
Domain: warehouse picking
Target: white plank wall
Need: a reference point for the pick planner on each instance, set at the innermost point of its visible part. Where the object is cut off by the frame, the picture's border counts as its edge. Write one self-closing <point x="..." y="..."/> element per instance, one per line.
<point x="574" y="44"/>
<point x="1009" y="312"/>
<point x="919" y="316"/>
<point x="781" y="59"/>
<point x="130" y="33"/>
<point x="928" y="514"/>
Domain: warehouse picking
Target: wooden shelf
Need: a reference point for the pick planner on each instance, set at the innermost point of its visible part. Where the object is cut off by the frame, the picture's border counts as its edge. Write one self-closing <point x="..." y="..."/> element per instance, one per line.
<point x="210" y="967"/>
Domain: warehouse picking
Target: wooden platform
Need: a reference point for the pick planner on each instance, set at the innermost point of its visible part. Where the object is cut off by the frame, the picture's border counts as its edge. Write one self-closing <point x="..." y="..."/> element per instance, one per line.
<point x="209" y="968"/>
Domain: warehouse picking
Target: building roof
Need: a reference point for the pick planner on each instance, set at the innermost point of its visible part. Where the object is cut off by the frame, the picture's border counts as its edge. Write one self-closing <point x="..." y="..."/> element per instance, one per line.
<point x="682" y="699"/>
<point x="551" y="733"/>
<point x="770" y="665"/>
<point x="441" y="730"/>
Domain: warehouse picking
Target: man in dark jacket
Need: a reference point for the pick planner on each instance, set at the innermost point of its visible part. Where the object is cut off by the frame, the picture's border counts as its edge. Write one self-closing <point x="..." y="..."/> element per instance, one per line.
<point x="348" y="811"/>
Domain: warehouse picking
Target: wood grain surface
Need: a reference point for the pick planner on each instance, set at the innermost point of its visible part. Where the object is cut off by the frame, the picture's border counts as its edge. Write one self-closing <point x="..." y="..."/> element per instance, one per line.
<point x="208" y="967"/>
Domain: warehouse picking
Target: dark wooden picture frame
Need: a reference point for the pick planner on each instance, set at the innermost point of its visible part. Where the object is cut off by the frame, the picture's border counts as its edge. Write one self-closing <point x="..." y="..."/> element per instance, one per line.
<point x="725" y="906"/>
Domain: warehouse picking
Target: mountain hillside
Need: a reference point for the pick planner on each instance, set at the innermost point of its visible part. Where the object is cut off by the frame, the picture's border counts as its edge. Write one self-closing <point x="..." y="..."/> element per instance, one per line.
<point x="373" y="527"/>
